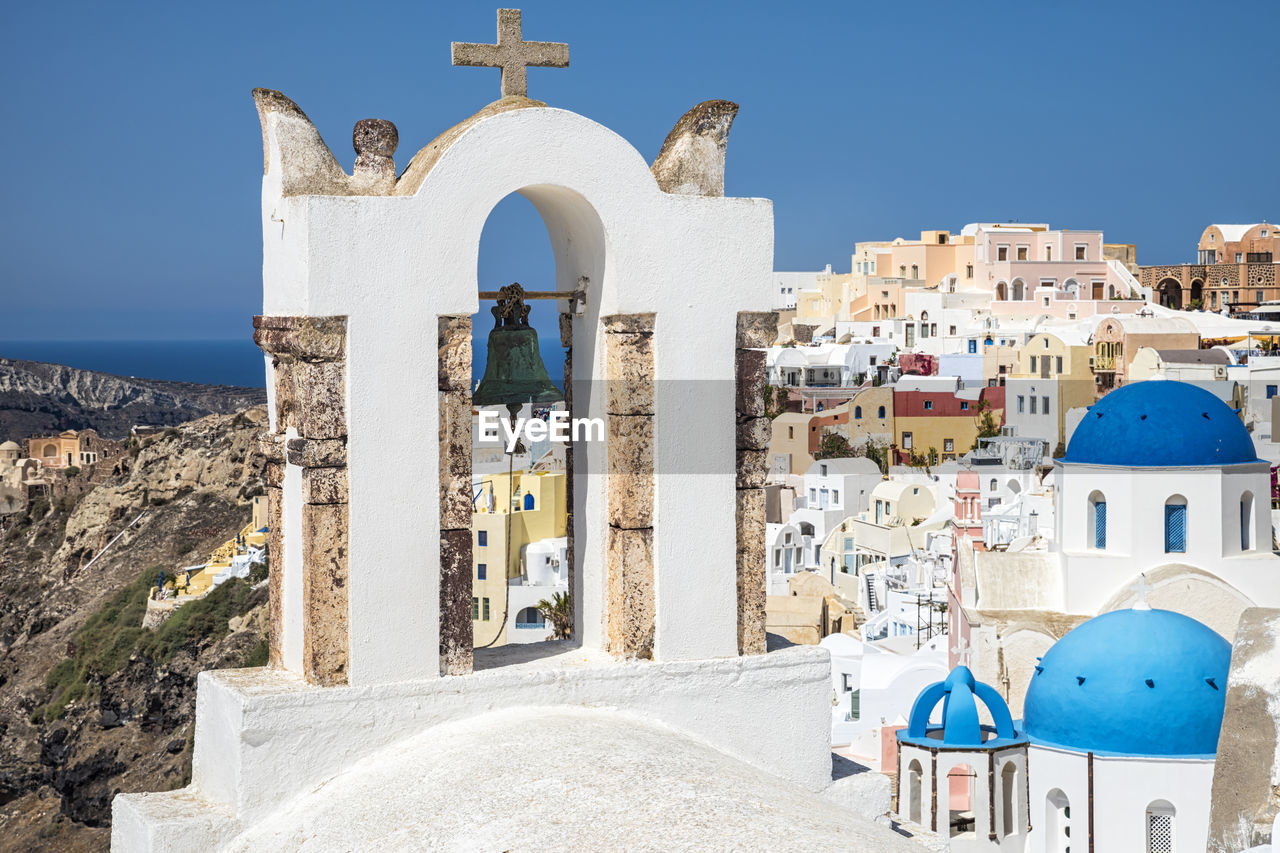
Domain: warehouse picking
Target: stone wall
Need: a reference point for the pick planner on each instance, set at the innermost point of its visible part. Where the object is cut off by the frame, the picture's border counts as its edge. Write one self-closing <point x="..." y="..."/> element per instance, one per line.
<point x="629" y="591"/>
<point x="756" y="330"/>
<point x="456" y="633"/>
<point x="309" y="361"/>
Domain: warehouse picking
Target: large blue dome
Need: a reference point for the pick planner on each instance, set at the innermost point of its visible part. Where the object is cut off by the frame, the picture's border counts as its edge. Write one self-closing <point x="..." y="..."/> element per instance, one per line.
<point x="1131" y="682"/>
<point x="1160" y="423"/>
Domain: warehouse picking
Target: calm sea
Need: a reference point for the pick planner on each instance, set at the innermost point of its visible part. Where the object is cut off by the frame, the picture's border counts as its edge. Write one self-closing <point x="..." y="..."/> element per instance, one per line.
<point x="224" y="362"/>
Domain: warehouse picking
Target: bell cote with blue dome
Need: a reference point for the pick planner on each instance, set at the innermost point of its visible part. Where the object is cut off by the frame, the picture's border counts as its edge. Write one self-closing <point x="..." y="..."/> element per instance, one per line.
<point x="961" y="725"/>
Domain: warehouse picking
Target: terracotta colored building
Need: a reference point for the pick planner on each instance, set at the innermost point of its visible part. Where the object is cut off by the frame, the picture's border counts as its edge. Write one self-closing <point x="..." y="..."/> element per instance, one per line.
<point x="1235" y="268"/>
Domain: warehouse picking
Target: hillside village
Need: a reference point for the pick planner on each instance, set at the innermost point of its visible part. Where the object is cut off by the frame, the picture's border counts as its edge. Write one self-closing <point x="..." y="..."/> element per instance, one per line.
<point x="970" y="548"/>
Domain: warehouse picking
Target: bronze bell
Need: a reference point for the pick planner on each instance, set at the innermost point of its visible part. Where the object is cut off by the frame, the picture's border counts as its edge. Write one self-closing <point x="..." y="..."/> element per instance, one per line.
<point x="514" y="373"/>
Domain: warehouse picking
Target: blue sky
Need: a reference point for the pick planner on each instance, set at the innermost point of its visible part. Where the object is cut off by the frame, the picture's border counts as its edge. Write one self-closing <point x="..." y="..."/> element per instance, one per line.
<point x="134" y="160"/>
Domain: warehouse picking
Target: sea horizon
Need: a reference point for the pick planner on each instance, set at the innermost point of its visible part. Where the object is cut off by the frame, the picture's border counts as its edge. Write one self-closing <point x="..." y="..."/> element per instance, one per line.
<point x="218" y="361"/>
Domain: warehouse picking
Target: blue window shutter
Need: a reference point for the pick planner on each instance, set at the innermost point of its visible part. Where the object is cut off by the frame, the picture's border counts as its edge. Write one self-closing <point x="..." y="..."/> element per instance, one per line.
<point x="1175" y="528"/>
<point x="1100" y="524"/>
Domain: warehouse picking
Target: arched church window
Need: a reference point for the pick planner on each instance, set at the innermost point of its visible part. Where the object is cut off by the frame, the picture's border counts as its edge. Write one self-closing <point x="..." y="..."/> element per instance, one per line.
<point x="1057" y="822"/>
<point x="914" y="772"/>
<point x="857" y="413"/>
<point x="881" y="412"/>
<point x="1009" y="796"/>
<point x="1160" y="816"/>
<point x="1098" y="520"/>
<point x="1175" y="525"/>
<point x="1246" y="522"/>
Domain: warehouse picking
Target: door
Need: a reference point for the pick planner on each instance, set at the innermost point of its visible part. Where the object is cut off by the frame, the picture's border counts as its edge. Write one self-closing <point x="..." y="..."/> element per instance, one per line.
<point x="1044" y="367"/>
<point x="1097" y="290"/>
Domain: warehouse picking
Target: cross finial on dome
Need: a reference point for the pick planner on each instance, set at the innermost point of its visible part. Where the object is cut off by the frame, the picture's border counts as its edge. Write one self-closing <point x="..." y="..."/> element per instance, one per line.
<point x="1142" y="588"/>
<point x="962" y="651"/>
<point x="512" y="54"/>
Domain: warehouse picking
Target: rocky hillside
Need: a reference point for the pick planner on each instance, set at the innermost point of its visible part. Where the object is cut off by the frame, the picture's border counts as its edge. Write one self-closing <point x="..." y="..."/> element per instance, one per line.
<point x="91" y="703"/>
<point x="38" y="399"/>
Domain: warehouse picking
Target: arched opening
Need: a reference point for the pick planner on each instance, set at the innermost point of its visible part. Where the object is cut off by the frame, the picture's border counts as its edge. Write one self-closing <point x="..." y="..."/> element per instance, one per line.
<point x="1096" y="534"/>
<point x="961" y="781"/>
<point x="1247" y="540"/>
<point x="1019" y="290"/>
<point x="1170" y="291"/>
<point x="50" y="451"/>
<point x="1159" y="820"/>
<point x="915" y="271"/>
<point x="914" y="774"/>
<point x="1175" y="525"/>
<point x="1009" y="798"/>
<point x="1197" y="291"/>
<point x="1072" y="287"/>
<point x="513" y="505"/>
<point x="857" y="413"/>
<point x="880" y="413"/>
<point x="994" y="485"/>
<point x="1057" y="822"/>
<point x="1002" y="292"/>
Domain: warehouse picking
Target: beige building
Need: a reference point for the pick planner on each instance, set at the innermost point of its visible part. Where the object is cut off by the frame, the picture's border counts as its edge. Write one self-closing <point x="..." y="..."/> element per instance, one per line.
<point x="1051" y="377"/>
<point x="66" y="449"/>
<point x="791" y="446"/>
<point x="1117" y="340"/>
<point x="870" y="416"/>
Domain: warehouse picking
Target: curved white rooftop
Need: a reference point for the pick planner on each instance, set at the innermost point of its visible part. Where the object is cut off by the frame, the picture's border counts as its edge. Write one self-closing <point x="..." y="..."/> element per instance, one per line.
<point x="562" y="779"/>
<point x="1234" y="233"/>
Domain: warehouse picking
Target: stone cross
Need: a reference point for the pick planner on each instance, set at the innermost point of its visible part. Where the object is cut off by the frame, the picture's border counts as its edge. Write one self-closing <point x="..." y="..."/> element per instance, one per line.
<point x="1142" y="588"/>
<point x="962" y="651"/>
<point x="512" y="54"/>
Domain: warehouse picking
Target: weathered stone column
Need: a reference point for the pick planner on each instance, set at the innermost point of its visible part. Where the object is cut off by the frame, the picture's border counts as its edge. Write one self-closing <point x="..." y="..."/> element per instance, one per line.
<point x="454" y="385"/>
<point x="272" y="445"/>
<point x="629" y="621"/>
<point x="309" y="357"/>
<point x="566" y="341"/>
<point x="756" y="330"/>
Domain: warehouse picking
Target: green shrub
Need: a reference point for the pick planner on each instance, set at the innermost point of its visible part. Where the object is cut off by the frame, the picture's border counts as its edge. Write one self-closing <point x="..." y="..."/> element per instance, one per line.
<point x="73" y="471"/>
<point x="259" y="654"/>
<point x="205" y="618"/>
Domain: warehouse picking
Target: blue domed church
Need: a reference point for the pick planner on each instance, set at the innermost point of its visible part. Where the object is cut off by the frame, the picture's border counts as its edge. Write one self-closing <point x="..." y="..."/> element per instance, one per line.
<point x="1114" y="754"/>
<point x="1160" y="479"/>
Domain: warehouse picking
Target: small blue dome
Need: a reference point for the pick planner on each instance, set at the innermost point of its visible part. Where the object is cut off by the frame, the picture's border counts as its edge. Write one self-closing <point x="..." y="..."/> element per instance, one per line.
<point x="1157" y="424"/>
<point x="1131" y="682"/>
<point x="960" y="722"/>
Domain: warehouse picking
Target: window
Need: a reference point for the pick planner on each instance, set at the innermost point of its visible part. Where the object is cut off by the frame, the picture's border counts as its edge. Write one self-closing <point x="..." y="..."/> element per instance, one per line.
<point x="948" y="445"/>
<point x="1259" y="296"/>
<point x="822" y="469"/>
<point x="1033" y="404"/>
<point x="968" y="271"/>
<point x="973" y="347"/>
<point x="1033" y="364"/>
<point x="1021" y="404"/>
<point x="1211" y="238"/>
<point x="835" y="496"/>
<point x="813" y="497"/>
<point x="933" y="329"/>
<point x="846" y="682"/>
<point x="1022" y="253"/>
<point x="1175" y="525"/>
<point x="1246" y="521"/>
<point x="993" y="486"/>
<point x="906" y="441"/>
<point x="1264" y="233"/>
<point x="875" y="331"/>
<point x="915" y="271"/>
<point x="1160" y="816"/>
<point x="951" y="330"/>
<point x="791" y="432"/>
<point x="1002" y="253"/>
<point x="528" y="502"/>
<point x="855" y="705"/>
<point x="1044" y="405"/>
<point x="475" y="609"/>
<point x="484" y="609"/>
<point x="1080" y="251"/>
<point x="880" y="414"/>
<point x="482" y="571"/>
<point x="1048" y="253"/>
<point x="1271" y="391"/>
<point x="482" y="538"/>
<point x="1057" y="363"/>
<point x="1213" y="299"/>
<point x="857" y="413"/>
<point x="1098" y="520"/>
<point x="1239" y="257"/>
<point x="964" y="405"/>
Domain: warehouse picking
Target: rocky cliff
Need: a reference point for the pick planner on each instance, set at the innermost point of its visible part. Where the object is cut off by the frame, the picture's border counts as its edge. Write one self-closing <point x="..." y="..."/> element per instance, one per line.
<point x="91" y="703"/>
<point x="38" y="399"/>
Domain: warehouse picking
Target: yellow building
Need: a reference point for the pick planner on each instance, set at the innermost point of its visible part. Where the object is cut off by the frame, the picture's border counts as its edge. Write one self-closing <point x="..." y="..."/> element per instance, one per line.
<point x="943" y="421"/>
<point x="790" y="440"/>
<point x="870" y="416"/>
<point x="1053" y="364"/>
<point x="196" y="581"/>
<point x="511" y="511"/>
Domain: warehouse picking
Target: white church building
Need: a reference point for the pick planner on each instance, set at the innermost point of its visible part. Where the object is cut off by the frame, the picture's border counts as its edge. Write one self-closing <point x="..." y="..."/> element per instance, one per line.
<point x="1114" y="754"/>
